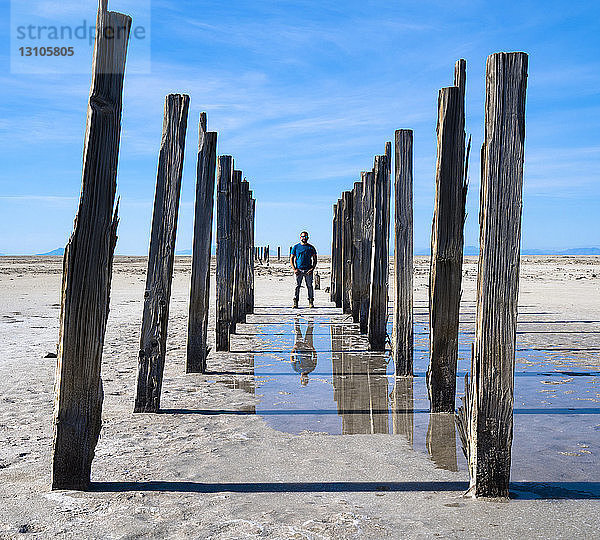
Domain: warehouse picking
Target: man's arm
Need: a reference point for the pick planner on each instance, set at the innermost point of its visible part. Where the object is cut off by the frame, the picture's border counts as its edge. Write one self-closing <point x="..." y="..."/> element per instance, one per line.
<point x="314" y="261"/>
<point x="293" y="263"/>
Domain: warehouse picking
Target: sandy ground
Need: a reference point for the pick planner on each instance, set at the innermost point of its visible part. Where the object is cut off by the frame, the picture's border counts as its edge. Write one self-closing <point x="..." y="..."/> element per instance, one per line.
<point x="187" y="474"/>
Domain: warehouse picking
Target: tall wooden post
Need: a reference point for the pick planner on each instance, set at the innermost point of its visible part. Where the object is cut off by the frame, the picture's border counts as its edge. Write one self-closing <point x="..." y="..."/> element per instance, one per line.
<point x="380" y="256"/>
<point x="334" y="247"/>
<point x="224" y="270"/>
<point x="486" y="421"/>
<point x="251" y="295"/>
<point x="445" y="274"/>
<point x="357" y="230"/>
<point x="346" y="251"/>
<point x="235" y="249"/>
<point x="402" y="339"/>
<point x="278" y="253"/>
<point x="197" y="344"/>
<point x="87" y="266"/>
<point x="338" y="255"/>
<point x="153" y="340"/>
<point x="368" y="193"/>
<point x="245" y="250"/>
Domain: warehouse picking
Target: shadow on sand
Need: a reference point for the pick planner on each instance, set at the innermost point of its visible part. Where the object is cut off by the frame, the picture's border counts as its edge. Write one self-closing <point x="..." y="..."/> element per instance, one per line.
<point x="519" y="490"/>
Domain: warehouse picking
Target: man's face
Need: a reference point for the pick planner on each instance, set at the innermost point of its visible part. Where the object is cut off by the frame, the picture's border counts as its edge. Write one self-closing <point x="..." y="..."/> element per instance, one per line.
<point x="304" y="238"/>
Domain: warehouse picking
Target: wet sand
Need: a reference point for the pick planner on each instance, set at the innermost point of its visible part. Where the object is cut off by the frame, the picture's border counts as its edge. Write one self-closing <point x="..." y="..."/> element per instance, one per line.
<point x="209" y="467"/>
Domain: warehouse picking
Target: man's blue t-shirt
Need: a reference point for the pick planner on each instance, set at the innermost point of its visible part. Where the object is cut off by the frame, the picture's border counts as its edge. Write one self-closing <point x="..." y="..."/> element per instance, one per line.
<point x="304" y="254"/>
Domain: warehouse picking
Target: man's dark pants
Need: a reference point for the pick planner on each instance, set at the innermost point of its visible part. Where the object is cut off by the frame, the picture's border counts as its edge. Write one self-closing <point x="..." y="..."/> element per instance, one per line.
<point x="308" y="278"/>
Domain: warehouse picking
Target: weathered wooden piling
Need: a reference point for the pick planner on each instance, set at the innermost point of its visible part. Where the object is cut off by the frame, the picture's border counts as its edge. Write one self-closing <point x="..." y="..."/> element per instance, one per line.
<point x="486" y="419"/>
<point x="445" y="273"/>
<point x="334" y="248"/>
<point x="224" y="270"/>
<point x="244" y="253"/>
<point x="153" y="340"/>
<point x="402" y="339"/>
<point x="377" y="330"/>
<point x="357" y="230"/>
<point x="278" y="253"/>
<point x="236" y="187"/>
<point x="346" y="251"/>
<point x="197" y="343"/>
<point x="87" y="266"/>
<point x="252" y="210"/>
<point x="338" y="255"/>
<point x="368" y="192"/>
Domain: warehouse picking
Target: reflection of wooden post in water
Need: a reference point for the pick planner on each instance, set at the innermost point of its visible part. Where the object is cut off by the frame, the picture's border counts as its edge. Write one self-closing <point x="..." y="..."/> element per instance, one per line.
<point x="486" y="420"/>
<point x="378" y="393"/>
<point x="155" y="318"/>
<point x="360" y="388"/>
<point x="247" y="382"/>
<point x="402" y="408"/>
<point x="441" y="440"/>
<point x="336" y="359"/>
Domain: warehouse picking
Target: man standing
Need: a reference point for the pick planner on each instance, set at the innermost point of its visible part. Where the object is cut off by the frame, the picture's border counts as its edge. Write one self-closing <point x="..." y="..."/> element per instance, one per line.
<point x="304" y="260"/>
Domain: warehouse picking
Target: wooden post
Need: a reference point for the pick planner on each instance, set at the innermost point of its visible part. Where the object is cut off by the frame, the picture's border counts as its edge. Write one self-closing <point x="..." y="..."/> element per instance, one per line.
<point x="346" y="251"/>
<point x="155" y="319"/>
<point x="445" y="273"/>
<point x="486" y="420"/>
<point x="251" y="284"/>
<point x="317" y="281"/>
<point x="245" y="250"/>
<point x="378" y="315"/>
<point x="87" y="266"/>
<point x="402" y="339"/>
<point x="357" y="229"/>
<point x="235" y="249"/>
<point x="338" y="255"/>
<point x="368" y="192"/>
<point x="278" y="253"/>
<point x="224" y="271"/>
<point x="197" y="344"/>
<point x="332" y="283"/>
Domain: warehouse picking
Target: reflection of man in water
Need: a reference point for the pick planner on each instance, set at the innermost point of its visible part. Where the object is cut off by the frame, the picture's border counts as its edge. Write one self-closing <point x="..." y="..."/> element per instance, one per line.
<point x="304" y="356"/>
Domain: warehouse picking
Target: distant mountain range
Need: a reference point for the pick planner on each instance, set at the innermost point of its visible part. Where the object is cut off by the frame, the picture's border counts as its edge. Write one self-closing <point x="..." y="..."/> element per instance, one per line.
<point x="58" y="251"/>
<point x="469" y="251"/>
<point x="474" y="250"/>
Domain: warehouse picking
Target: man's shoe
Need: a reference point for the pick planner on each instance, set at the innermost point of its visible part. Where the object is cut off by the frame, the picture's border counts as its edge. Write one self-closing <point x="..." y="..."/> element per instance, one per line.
<point x="311" y="303"/>
<point x="295" y="304"/>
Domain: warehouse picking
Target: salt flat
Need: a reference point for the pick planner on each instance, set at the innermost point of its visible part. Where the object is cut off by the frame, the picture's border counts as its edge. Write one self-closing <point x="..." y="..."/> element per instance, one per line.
<point x="197" y="470"/>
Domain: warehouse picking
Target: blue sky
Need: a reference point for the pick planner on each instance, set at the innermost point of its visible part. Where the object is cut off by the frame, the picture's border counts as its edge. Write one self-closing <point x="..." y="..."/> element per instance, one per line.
<point x="303" y="95"/>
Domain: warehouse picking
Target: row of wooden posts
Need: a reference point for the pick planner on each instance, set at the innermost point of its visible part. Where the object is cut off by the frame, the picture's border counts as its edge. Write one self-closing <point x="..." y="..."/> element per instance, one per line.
<point x="359" y="265"/>
<point x="89" y="256"/>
